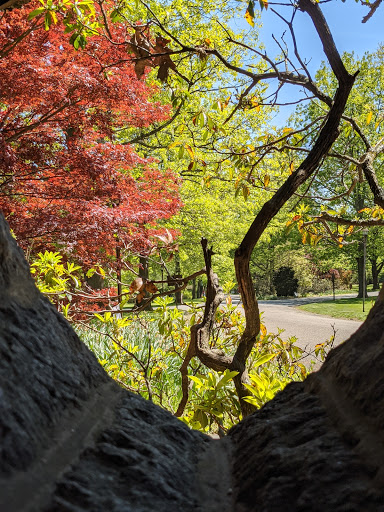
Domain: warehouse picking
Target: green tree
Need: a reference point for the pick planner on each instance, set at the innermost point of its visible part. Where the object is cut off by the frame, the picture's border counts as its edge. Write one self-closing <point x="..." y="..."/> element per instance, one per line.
<point x="342" y="189"/>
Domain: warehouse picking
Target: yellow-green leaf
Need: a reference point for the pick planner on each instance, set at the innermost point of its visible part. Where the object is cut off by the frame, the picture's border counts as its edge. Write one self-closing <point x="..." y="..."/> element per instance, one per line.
<point x="35" y="13"/>
<point x="250" y="14"/>
<point x="190" y="151"/>
<point x="174" y="144"/>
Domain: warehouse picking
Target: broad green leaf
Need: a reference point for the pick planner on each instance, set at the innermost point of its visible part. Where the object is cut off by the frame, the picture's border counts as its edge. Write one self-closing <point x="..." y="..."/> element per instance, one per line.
<point x="262" y="360"/>
<point x="245" y="192"/>
<point x="35" y="13"/>
<point x="252" y="389"/>
<point x="48" y="20"/>
<point x="190" y="151"/>
<point x="259" y="381"/>
<point x="226" y="378"/>
<point x="198" y="381"/>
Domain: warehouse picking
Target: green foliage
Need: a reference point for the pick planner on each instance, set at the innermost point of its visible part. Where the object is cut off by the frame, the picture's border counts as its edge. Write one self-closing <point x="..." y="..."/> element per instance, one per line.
<point x="214" y="401"/>
<point x="78" y="17"/>
<point x="56" y="279"/>
<point x="339" y="189"/>
<point x="144" y="355"/>
<point x="215" y="145"/>
<point x="52" y="275"/>
<point x="285" y="282"/>
<point x="214" y="213"/>
<point x="352" y="309"/>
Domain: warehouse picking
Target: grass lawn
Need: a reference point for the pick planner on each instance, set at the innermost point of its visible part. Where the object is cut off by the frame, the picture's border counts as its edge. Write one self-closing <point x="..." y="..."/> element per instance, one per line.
<point x="351" y="309"/>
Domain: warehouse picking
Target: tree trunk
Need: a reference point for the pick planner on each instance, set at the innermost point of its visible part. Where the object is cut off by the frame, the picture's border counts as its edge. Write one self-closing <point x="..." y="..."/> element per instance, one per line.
<point x="193" y="289"/>
<point x="360" y="274"/>
<point x="270" y="277"/>
<point x="326" y="137"/>
<point x="118" y="274"/>
<point x="144" y="274"/>
<point x="179" y="294"/>
<point x="375" y="274"/>
<point x="376" y="269"/>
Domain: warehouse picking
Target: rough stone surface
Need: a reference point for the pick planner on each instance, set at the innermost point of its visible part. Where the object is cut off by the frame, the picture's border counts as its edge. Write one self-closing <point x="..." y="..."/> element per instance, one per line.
<point x="72" y="441"/>
<point x="70" y="438"/>
<point x="319" y="445"/>
<point x="144" y="453"/>
<point x="45" y="369"/>
<point x="298" y="461"/>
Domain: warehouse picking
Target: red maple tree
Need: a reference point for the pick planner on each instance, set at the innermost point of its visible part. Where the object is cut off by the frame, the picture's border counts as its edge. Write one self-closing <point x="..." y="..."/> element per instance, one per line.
<point x="65" y="180"/>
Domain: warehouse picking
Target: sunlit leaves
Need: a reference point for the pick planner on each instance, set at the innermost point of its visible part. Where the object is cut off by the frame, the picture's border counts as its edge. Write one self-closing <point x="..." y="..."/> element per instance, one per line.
<point x="116" y="16"/>
<point x="52" y="274"/>
<point x="36" y="12"/>
<point x="255" y="103"/>
<point x="78" y="17"/>
<point x="250" y="14"/>
<point x="73" y="184"/>
<point x="376" y="212"/>
<point x="78" y="41"/>
<point x="287" y="130"/>
<point x="190" y="151"/>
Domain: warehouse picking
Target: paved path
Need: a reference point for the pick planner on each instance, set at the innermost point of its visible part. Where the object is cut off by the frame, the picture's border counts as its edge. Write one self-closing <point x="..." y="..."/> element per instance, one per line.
<point x="308" y="328"/>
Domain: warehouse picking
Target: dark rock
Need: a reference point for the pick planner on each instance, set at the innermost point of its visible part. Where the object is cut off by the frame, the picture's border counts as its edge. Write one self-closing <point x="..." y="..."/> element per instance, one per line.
<point x="72" y="441"/>
<point x="70" y="438"/>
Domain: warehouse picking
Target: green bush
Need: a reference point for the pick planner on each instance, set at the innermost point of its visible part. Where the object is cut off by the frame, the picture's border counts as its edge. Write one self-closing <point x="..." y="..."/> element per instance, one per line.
<point x="144" y="354"/>
<point x="285" y="282"/>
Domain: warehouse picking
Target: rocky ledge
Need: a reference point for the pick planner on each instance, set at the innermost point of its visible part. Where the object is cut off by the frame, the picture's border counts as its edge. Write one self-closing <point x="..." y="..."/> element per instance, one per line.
<point x="71" y="440"/>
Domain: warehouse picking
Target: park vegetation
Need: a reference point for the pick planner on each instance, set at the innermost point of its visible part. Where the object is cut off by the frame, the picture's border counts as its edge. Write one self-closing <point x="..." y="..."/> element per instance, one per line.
<point x="139" y="162"/>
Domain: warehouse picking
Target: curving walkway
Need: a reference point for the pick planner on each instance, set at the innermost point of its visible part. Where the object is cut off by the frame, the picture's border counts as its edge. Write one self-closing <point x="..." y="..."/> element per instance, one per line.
<point x="309" y="329"/>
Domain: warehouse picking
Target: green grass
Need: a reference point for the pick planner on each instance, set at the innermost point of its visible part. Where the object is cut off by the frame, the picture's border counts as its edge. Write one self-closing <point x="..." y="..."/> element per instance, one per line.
<point x="351" y="309"/>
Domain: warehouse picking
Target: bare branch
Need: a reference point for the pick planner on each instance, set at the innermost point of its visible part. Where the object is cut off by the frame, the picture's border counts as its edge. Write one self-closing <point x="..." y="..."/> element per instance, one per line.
<point x="370" y="175"/>
<point x="372" y="10"/>
<point x="157" y="129"/>
<point x="350" y="222"/>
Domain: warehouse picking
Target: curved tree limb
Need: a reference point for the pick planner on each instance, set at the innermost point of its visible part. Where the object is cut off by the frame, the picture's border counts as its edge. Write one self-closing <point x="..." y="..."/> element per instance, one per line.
<point x="157" y="129"/>
<point x="372" y="10"/>
<point x="327" y="136"/>
<point x="350" y="222"/>
<point x="370" y="175"/>
<point x="200" y="333"/>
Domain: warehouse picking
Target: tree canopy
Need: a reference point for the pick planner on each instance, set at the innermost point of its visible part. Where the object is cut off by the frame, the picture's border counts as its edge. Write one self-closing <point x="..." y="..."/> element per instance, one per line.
<point x="222" y="85"/>
<point x="66" y="181"/>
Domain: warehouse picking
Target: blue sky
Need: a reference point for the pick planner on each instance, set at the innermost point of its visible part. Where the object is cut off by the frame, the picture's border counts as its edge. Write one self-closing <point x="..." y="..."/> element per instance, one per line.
<point x="344" y="20"/>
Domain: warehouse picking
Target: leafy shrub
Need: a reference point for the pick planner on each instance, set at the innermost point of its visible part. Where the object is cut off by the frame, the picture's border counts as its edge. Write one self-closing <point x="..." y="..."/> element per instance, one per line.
<point x="285" y="282"/>
<point x="144" y="355"/>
